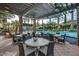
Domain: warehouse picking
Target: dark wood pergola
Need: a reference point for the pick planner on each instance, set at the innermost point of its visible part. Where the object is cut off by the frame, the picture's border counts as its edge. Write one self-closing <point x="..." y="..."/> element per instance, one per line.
<point x="39" y="10"/>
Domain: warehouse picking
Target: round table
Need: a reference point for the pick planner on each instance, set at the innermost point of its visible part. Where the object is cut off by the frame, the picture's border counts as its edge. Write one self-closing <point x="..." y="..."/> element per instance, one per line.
<point x="38" y="43"/>
<point x="56" y="36"/>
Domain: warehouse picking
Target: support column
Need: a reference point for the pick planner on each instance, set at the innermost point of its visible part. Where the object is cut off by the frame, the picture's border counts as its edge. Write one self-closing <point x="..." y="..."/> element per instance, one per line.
<point x="58" y="21"/>
<point x="20" y="24"/>
<point x="31" y="21"/>
<point x="78" y="25"/>
<point x="65" y="18"/>
<point x="72" y="19"/>
<point x="50" y="20"/>
<point x="28" y="20"/>
<point x="65" y="21"/>
<point x="42" y="24"/>
<point x="37" y="22"/>
<point x="34" y="25"/>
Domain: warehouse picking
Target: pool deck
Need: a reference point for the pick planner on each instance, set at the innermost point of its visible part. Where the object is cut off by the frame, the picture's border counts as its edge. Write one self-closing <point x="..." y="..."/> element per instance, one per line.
<point x="8" y="49"/>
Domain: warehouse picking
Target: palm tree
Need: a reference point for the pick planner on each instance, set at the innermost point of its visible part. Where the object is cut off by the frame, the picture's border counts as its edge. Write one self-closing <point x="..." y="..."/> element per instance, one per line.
<point x="15" y="25"/>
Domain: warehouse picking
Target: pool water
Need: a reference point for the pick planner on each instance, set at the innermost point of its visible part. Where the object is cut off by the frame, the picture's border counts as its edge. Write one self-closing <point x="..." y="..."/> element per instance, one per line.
<point x="71" y="37"/>
<point x="70" y="34"/>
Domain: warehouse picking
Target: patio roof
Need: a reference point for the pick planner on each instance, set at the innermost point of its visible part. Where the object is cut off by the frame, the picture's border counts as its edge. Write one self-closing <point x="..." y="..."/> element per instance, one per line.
<point x="38" y="10"/>
<point x="48" y="9"/>
<point x="17" y="8"/>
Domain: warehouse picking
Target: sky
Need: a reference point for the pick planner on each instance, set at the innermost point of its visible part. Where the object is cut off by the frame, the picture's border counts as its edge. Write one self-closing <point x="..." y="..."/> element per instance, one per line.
<point x="47" y="20"/>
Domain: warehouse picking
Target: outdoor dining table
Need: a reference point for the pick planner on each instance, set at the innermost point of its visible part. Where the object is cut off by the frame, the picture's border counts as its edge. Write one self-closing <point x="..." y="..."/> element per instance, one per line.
<point x="56" y="37"/>
<point x="37" y="44"/>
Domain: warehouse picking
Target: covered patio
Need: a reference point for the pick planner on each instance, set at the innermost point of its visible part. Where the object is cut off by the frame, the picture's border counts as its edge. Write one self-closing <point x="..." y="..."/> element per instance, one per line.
<point x="8" y="49"/>
<point x="20" y="44"/>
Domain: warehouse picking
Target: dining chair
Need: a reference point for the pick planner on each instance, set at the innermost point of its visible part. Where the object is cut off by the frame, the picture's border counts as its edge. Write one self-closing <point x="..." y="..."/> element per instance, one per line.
<point x="25" y="51"/>
<point x="51" y="37"/>
<point x="21" y="49"/>
<point x="33" y="34"/>
<point x="62" y="38"/>
<point x="24" y="37"/>
<point x="15" y="38"/>
<point x="50" y="49"/>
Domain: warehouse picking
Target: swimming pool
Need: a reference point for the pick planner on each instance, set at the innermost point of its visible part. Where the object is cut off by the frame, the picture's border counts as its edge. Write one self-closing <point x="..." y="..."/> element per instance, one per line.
<point x="69" y="34"/>
<point x="71" y="37"/>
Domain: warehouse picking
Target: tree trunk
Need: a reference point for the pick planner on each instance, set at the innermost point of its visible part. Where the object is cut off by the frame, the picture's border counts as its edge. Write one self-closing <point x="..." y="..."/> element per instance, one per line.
<point x="34" y="25"/>
<point x="50" y="20"/>
<point x="42" y="24"/>
<point x="65" y="18"/>
<point x="58" y="21"/>
<point x="65" y="21"/>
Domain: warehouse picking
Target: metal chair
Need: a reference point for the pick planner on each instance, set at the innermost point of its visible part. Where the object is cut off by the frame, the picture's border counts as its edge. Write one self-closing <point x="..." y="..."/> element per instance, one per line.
<point x="62" y="38"/>
<point x="15" y="38"/>
<point x="50" y="50"/>
<point x="51" y="37"/>
<point x="21" y="49"/>
<point x="24" y="37"/>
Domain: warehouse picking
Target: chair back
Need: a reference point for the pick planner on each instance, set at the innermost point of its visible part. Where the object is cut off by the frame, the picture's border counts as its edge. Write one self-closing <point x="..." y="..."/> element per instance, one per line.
<point x="42" y="34"/>
<point x="21" y="49"/>
<point x="24" y="37"/>
<point x="50" y="50"/>
<point x="33" y="34"/>
<point x="51" y="38"/>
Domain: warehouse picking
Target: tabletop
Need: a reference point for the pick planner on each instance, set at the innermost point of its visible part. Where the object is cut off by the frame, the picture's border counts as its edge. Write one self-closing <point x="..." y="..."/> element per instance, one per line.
<point x="38" y="43"/>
